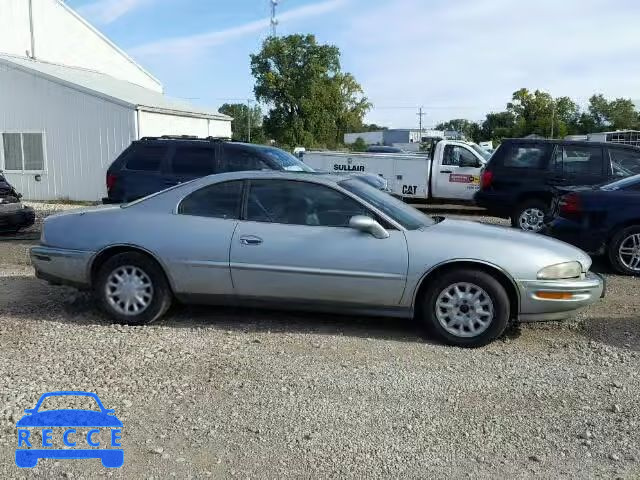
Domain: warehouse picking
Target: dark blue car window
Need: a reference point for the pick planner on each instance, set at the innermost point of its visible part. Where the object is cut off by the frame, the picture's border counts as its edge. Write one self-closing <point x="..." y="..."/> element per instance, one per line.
<point x="193" y="161"/>
<point x="146" y="158"/>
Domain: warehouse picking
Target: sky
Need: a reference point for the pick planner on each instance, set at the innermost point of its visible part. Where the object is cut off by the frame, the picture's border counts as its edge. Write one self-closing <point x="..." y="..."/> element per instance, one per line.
<point x="455" y="58"/>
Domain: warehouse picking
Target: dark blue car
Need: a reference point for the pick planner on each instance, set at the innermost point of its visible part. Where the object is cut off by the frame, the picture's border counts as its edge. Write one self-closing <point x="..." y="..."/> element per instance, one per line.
<point x="46" y="420"/>
<point x="601" y="220"/>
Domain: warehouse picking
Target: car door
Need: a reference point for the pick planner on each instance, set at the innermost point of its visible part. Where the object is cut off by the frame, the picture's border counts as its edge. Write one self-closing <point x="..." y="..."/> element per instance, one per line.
<point x="577" y="165"/>
<point x="204" y="224"/>
<point x="459" y="174"/>
<point x="295" y="244"/>
<point x="189" y="162"/>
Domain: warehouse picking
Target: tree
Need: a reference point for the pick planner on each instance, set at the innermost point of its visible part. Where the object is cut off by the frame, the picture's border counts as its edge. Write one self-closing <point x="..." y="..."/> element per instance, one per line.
<point x="470" y="130"/>
<point x="312" y="101"/>
<point x="359" y="145"/>
<point x="619" y="114"/>
<point x="498" y="125"/>
<point x="242" y="114"/>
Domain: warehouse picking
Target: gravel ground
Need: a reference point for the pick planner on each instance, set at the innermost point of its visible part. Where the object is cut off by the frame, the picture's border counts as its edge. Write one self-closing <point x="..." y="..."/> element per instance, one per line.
<point x="235" y="393"/>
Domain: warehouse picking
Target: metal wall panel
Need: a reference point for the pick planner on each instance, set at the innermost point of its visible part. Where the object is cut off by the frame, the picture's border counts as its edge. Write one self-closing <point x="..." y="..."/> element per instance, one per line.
<point x="82" y="135"/>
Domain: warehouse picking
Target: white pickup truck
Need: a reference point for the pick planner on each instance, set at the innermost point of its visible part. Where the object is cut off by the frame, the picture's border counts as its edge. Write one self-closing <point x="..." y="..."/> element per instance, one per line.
<point x="451" y="173"/>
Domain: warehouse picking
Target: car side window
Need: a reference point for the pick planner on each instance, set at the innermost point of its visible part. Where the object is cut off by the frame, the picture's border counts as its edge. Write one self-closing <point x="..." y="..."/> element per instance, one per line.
<point x="454" y="155"/>
<point x="145" y="158"/>
<point x="581" y="160"/>
<point x="220" y="200"/>
<point x="237" y="158"/>
<point x="525" y="156"/>
<point x="300" y="203"/>
<point x="624" y="161"/>
<point x="193" y="161"/>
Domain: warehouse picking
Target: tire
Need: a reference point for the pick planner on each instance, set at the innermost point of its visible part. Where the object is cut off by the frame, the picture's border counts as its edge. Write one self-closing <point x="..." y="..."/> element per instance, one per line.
<point x="493" y="299"/>
<point x="149" y="283"/>
<point x="517" y="217"/>
<point x="628" y="239"/>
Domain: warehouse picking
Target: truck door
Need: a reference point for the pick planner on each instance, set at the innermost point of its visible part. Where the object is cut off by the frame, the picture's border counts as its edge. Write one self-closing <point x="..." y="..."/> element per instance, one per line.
<point x="456" y="173"/>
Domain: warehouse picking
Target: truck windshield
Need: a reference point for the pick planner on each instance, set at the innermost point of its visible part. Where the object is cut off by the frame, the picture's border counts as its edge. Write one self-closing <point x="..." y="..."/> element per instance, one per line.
<point x="481" y="151"/>
<point x="407" y="216"/>
<point x="285" y="160"/>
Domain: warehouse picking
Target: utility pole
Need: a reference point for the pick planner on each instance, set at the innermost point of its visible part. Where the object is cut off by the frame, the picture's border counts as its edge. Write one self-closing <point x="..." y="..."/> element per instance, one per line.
<point x="33" y="37"/>
<point x="553" y="116"/>
<point x="274" y="20"/>
<point x="420" y="115"/>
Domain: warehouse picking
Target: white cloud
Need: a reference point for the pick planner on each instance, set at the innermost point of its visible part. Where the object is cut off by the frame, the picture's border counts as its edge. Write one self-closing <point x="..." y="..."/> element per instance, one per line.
<point x="188" y="45"/>
<point x="465" y="58"/>
<point x="108" y="11"/>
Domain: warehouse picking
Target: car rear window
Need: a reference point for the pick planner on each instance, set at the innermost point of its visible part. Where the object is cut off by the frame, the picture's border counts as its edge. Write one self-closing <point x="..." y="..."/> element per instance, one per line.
<point x="628" y="160"/>
<point x="145" y="158"/>
<point x="524" y="156"/>
<point x="193" y="161"/>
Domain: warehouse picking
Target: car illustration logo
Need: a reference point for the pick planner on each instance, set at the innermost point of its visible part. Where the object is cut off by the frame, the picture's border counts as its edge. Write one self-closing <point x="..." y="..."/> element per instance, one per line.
<point x="84" y="433"/>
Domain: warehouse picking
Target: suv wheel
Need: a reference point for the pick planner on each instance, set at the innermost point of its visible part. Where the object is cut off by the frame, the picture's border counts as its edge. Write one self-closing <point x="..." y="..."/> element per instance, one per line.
<point x="132" y="289"/>
<point x="624" y="251"/>
<point x="529" y="216"/>
<point x="465" y="308"/>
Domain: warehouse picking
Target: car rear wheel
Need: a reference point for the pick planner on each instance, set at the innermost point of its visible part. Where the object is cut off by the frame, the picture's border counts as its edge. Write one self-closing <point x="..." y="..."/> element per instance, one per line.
<point x="529" y="216"/>
<point x="132" y="289"/>
<point x="624" y="251"/>
<point x="465" y="308"/>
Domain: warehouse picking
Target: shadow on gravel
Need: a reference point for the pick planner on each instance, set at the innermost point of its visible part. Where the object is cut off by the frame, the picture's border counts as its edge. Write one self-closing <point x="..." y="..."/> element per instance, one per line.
<point x="31" y="297"/>
<point x="617" y="332"/>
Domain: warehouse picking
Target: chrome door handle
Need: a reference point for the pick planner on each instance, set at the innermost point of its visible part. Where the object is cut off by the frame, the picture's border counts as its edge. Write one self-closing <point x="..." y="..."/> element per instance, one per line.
<point x="446" y="171"/>
<point x="250" y="240"/>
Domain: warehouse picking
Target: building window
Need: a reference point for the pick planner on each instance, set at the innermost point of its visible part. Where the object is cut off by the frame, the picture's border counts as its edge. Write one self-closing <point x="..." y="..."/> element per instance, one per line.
<point x="23" y="152"/>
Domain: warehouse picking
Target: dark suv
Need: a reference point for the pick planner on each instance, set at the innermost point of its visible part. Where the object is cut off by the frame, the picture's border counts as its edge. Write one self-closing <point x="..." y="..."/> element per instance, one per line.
<point x="523" y="175"/>
<point x="152" y="164"/>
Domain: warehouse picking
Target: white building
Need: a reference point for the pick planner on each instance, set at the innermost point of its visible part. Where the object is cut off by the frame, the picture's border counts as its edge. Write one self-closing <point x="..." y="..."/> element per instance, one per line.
<point x="71" y="101"/>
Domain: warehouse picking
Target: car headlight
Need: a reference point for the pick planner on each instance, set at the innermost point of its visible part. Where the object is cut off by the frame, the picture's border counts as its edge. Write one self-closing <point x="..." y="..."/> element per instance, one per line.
<point x="561" y="271"/>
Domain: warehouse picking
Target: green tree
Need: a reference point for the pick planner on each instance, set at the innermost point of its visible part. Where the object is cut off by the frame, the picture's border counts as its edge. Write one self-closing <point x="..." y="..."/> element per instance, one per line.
<point x="245" y="119"/>
<point x="359" y="145"/>
<point x="312" y="102"/>
<point x="618" y="114"/>
<point x="470" y="130"/>
<point x="498" y="125"/>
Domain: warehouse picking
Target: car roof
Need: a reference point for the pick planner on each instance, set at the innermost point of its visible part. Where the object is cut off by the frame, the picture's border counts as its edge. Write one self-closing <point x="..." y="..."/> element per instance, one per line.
<point x="555" y="141"/>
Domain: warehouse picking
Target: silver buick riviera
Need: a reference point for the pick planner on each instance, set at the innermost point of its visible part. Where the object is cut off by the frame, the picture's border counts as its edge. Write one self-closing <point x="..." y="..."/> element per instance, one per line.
<point x="312" y="242"/>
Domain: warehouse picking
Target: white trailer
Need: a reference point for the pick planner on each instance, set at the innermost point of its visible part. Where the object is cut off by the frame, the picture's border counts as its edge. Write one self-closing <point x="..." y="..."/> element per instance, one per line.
<point x="450" y="174"/>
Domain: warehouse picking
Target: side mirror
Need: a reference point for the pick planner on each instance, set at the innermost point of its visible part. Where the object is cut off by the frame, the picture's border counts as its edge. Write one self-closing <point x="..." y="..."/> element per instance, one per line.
<point x="368" y="225"/>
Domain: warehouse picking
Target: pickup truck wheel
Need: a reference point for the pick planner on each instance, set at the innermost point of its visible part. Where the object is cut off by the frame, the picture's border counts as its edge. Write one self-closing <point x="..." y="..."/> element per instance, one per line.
<point x="529" y="216"/>
<point x="465" y="308"/>
<point x="132" y="289"/>
<point x="624" y="251"/>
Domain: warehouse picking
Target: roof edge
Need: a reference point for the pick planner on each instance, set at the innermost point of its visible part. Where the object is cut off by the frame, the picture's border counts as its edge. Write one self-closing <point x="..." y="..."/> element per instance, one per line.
<point x="105" y="39"/>
<point x="183" y="113"/>
<point x="59" y="81"/>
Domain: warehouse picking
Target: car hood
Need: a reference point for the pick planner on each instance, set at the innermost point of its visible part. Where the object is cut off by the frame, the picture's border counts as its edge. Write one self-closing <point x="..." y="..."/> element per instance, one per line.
<point x="503" y="245"/>
<point x="69" y="418"/>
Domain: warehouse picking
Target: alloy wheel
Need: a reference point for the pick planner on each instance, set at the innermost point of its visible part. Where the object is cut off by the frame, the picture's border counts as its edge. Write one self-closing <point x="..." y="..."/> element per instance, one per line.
<point x="464" y="309"/>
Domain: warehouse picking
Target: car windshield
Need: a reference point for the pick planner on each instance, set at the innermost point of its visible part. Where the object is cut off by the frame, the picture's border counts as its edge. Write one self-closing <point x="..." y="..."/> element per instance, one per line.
<point x="481" y="151"/>
<point x="407" y="216"/>
<point x="622" y="184"/>
<point x="285" y="160"/>
<point x="69" y="402"/>
<point x="373" y="180"/>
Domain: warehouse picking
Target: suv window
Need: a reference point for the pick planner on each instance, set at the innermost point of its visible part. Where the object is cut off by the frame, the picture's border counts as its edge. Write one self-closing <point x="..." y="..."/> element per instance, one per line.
<point x="221" y="200"/>
<point x="455" y="154"/>
<point x="524" y="156"/>
<point x="145" y="158"/>
<point x="237" y="158"/>
<point x="625" y="160"/>
<point x="578" y="160"/>
<point x="300" y="203"/>
<point x="193" y="161"/>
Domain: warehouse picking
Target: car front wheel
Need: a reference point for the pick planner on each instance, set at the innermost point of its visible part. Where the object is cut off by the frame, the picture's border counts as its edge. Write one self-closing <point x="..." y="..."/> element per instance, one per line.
<point x="465" y="308"/>
<point x="132" y="289"/>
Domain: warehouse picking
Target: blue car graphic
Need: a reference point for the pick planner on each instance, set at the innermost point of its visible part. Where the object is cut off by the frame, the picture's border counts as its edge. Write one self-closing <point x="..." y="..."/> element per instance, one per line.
<point x="69" y="418"/>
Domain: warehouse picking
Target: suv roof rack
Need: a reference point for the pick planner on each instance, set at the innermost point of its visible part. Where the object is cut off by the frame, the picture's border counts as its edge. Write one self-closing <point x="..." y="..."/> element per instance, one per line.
<point x="187" y="137"/>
